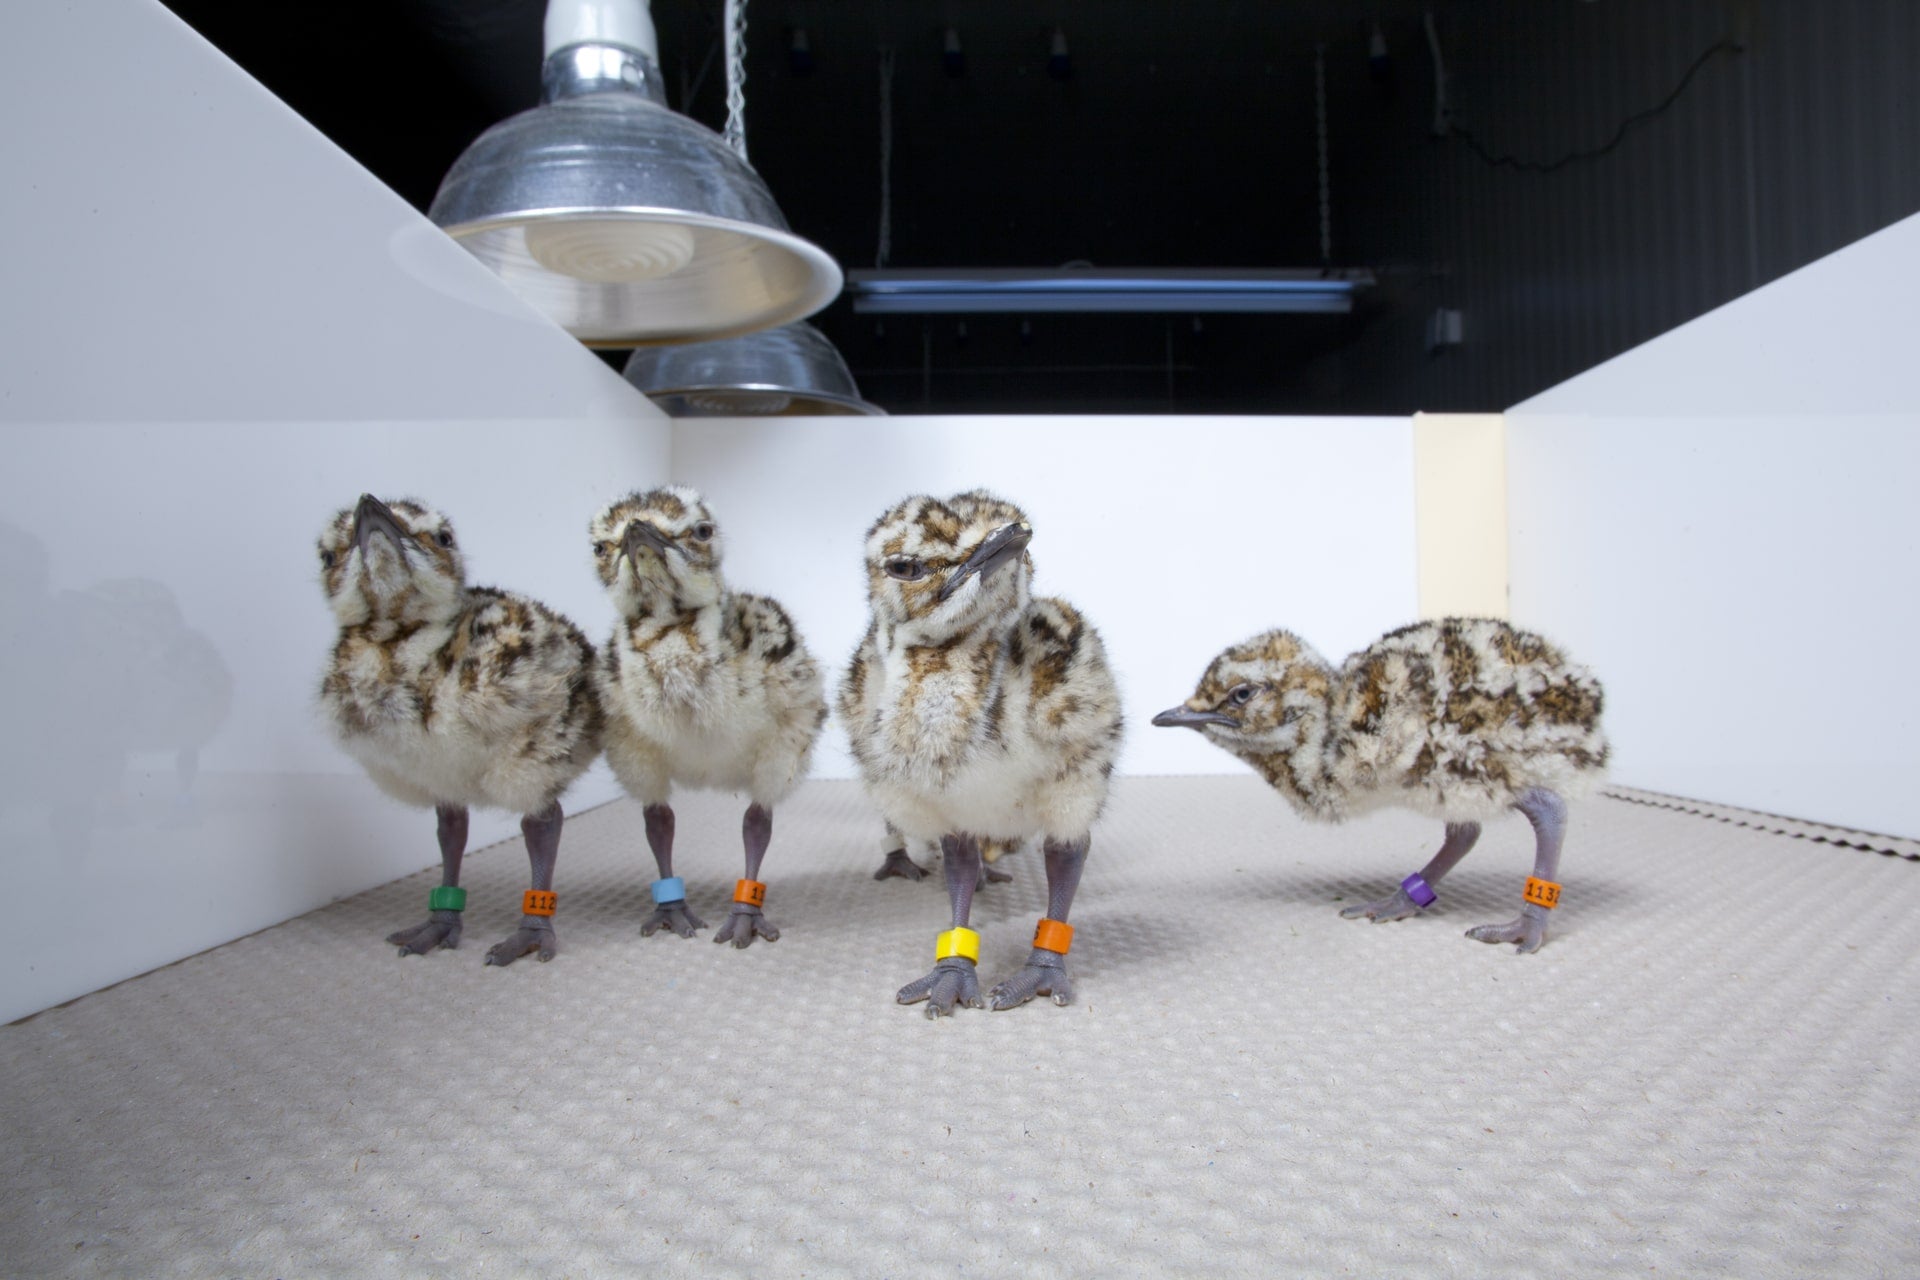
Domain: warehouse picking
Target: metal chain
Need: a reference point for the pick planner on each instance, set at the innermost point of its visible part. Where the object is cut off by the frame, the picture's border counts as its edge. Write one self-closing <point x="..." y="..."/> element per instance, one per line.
<point x="884" y="249"/>
<point x="735" y="20"/>
<point x="1320" y="124"/>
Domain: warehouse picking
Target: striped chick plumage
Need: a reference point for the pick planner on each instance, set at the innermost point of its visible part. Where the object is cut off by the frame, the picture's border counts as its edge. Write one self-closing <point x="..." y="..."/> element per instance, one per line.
<point x="977" y="711"/>
<point x="704" y="687"/>
<point x="1460" y="719"/>
<point x="451" y="695"/>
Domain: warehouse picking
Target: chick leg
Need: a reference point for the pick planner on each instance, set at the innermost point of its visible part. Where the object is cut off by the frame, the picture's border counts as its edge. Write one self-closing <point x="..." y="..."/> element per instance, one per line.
<point x="745" y="922"/>
<point x="1045" y="972"/>
<point x="676" y="915"/>
<point x="1399" y="904"/>
<point x="541" y="831"/>
<point x="1548" y="814"/>
<point x="953" y="979"/>
<point x="442" y="928"/>
<point x="894" y="861"/>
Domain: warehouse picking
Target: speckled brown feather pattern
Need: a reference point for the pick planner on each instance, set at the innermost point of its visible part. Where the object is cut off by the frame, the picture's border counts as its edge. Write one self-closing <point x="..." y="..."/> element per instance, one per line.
<point x="703" y="686"/>
<point x="992" y="713"/>
<point x="450" y="694"/>
<point x="1455" y="717"/>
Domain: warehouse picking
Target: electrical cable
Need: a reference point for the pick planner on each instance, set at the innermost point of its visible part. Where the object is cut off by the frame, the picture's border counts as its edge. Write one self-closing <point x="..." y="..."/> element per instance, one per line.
<point x="1499" y="161"/>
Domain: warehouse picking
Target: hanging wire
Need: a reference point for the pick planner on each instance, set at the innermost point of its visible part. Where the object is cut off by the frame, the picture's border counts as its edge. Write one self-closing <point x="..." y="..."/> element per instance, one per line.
<point x="1320" y="126"/>
<point x="735" y="21"/>
<point x="884" y="249"/>
<point x="1502" y="161"/>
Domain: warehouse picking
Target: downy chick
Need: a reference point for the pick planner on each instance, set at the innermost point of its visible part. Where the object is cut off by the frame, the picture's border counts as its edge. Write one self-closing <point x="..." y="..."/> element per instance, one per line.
<point x="1461" y="719"/>
<point x="979" y="713"/>
<point x="895" y="860"/>
<point x="453" y="696"/>
<point x="703" y="686"/>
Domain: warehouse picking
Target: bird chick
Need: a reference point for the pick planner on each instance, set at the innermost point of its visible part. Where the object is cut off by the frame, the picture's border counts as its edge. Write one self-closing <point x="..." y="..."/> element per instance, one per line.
<point x="703" y="686"/>
<point x="896" y="861"/>
<point x="1461" y="719"/>
<point x="977" y="712"/>
<point x="453" y="696"/>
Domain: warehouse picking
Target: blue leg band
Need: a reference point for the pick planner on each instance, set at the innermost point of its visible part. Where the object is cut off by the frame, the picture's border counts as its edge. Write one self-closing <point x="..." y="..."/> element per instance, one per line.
<point x="672" y="889"/>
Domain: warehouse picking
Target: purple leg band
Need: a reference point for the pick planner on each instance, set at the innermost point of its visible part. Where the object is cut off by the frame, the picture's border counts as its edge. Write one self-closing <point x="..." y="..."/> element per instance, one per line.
<point x="1419" y="890"/>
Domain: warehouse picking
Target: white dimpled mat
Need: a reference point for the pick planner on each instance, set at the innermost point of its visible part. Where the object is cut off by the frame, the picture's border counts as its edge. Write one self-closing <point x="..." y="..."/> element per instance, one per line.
<point x="1712" y="1068"/>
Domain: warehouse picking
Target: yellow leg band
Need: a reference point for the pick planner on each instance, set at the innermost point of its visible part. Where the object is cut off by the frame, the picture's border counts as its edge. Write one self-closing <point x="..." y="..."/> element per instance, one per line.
<point x="961" y="942"/>
<point x="1542" y="893"/>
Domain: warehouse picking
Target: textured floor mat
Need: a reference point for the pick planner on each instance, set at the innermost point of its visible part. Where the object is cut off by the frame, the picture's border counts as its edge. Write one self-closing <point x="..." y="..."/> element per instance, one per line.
<point x="1712" y="1068"/>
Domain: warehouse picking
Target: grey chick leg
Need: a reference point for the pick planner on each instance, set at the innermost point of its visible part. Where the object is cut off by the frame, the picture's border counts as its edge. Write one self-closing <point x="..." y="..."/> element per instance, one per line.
<point x="669" y="894"/>
<point x="952" y="979"/>
<point x="1400" y="904"/>
<point x="895" y="861"/>
<point x="1045" y="973"/>
<point x="541" y="831"/>
<point x="1548" y="814"/>
<point x="442" y="928"/>
<point x="744" y="921"/>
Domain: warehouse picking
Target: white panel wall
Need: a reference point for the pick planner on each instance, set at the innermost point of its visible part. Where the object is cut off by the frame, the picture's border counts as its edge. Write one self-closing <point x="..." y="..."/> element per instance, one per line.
<point x="1176" y="536"/>
<point x="1721" y="523"/>
<point x="219" y="330"/>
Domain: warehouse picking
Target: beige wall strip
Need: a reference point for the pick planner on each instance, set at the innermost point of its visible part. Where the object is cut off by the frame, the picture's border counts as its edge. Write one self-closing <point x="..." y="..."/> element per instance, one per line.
<point x="1460" y="499"/>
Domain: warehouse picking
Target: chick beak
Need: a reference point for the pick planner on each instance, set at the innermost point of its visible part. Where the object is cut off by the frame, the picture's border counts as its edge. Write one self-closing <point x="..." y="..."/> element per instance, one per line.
<point x="373" y="516"/>
<point x="1187" y="718"/>
<point x="641" y="536"/>
<point x="1001" y="547"/>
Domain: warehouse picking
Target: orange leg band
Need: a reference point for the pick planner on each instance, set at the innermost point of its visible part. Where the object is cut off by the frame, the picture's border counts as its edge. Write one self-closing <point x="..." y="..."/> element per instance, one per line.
<point x="539" y="902"/>
<point x="751" y="892"/>
<point x="1542" y="893"/>
<point x="1053" y="935"/>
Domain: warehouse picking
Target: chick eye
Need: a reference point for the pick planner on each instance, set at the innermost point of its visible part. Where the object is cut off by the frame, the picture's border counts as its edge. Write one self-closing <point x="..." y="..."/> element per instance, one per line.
<point x="603" y="549"/>
<point x="326" y="559"/>
<point x="906" y="568"/>
<point x="703" y="532"/>
<point x="1241" y="695"/>
<point x="444" y="537"/>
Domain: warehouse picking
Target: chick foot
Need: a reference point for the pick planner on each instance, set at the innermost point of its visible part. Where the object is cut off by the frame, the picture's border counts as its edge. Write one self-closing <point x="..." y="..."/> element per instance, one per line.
<point x="442" y="929"/>
<point x="899" y="864"/>
<point x="677" y="916"/>
<point x="1395" y="906"/>
<point x="1527" y="931"/>
<point x="952" y="981"/>
<point x="744" y="924"/>
<point x="1045" y="974"/>
<point x="535" y="934"/>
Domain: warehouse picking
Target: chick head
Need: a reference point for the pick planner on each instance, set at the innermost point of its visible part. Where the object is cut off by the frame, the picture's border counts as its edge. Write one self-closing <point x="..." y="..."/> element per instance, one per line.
<point x="942" y="568"/>
<point x="394" y="561"/>
<point x="1256" y="696"/>
<point x="663" y="543"/>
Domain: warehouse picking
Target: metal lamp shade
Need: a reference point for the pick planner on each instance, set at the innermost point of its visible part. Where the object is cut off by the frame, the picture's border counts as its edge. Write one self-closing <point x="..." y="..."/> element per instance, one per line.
<point x="792" y="371"/>
<point x="630" y="224"/>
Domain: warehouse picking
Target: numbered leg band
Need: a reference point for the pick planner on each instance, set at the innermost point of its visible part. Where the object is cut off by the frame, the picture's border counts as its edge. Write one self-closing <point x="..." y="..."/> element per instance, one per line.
<point x="961" y="942"/>
<point x="1419" y="890"/>
<point x="539" y="902"/>
<point x="1542" y="893"/>
<point x="447" y="897"/>
<point x="751" y="892"/>
<point x="1053" y="935"/>
<point x="670" y="889"/>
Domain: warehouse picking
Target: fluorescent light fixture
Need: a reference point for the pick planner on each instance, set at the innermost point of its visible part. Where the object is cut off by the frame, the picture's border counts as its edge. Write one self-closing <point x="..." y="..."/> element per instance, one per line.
<point x="951" y="291"/>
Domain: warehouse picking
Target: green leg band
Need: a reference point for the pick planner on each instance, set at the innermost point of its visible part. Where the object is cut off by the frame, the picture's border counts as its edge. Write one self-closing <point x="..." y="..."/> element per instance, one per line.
<point x="447" y="897"/>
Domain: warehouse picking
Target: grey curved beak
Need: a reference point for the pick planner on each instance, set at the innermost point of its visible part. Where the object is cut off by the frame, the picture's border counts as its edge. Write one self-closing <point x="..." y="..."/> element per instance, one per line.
<point x="640" y="535"/>
<point x="1001" y="547"/>
<point x="371" y="516"/>
<point x="1183" y="718"/>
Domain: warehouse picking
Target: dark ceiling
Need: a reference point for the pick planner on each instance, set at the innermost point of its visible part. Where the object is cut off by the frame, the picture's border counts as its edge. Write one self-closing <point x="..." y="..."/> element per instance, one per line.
<point x="1184" y="135"/>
